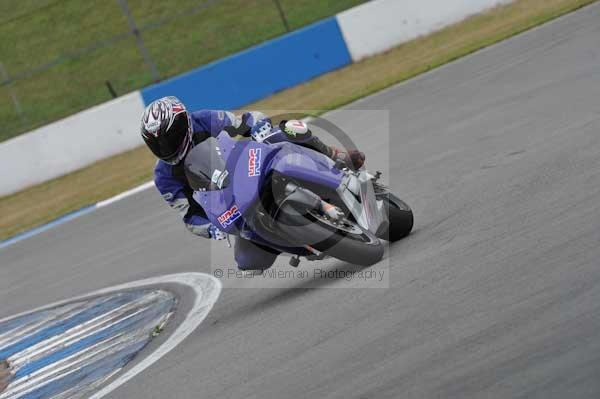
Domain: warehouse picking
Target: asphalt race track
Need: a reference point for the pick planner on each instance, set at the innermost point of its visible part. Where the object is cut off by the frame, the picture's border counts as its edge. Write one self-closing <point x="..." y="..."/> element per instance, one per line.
<point x="496" y="294"/>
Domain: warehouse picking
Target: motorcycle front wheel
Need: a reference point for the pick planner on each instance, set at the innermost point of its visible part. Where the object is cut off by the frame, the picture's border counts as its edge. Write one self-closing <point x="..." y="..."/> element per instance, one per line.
<point x="400" y="216"/>
<point x="344" y="240"/>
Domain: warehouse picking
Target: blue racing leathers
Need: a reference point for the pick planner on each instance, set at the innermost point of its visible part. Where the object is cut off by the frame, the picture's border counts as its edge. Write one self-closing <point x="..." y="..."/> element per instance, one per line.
<point x="170" y="180"/>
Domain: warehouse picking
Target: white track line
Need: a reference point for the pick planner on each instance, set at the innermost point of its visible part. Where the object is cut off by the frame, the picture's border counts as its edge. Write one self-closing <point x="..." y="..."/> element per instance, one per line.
<point x="28" y="383"/>
<point x="74" y="215"/>
<point x="7" y="339"/>
<point x="83" y="330"/>
<point x="125" y="194"/>
<point x="65" y="341"/>
<point x="49" y="373"/>
<point x="206" y="289"/>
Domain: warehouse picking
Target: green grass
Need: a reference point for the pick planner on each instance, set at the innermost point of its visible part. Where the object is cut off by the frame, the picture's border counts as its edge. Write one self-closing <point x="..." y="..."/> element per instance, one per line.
<point x="179" y="35"/>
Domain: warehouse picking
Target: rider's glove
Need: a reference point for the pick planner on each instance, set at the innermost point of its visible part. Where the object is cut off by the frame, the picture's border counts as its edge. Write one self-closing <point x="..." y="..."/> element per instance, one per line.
<point x="261" y="130"/>
<point x="357" y="158"/>
<point x="216" y="234"/>
<point x="295" y="129"/>
<point x="353" y="158"/>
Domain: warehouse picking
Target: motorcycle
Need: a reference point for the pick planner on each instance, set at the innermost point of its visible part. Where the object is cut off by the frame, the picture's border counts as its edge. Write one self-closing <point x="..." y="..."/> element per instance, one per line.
<point x="295" y="200"/>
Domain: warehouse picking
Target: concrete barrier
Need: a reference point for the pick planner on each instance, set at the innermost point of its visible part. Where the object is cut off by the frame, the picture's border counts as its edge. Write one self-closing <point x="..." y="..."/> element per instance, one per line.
<point x="260" y="71"/>
<point x="71" y="143"/>
<point x="377" y="26"/>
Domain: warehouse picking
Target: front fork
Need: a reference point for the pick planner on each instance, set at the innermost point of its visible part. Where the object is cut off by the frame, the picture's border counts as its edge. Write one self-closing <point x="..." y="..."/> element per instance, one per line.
<point x="358" y="194"/>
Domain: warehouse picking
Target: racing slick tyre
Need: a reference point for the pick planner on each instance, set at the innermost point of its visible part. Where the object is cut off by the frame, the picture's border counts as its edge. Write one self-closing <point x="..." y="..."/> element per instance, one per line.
<point x="400" y="216"/>
<point x="344" y="240"/>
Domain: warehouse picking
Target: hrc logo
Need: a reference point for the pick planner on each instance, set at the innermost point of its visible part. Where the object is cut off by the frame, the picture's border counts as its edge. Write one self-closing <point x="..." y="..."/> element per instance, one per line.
<point x="254" y="162"/>
<point x="230" y="216"/>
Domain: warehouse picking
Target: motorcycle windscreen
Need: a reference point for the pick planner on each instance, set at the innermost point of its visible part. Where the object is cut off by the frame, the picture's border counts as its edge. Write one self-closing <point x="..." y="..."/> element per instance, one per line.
<point x="205" y="168"/>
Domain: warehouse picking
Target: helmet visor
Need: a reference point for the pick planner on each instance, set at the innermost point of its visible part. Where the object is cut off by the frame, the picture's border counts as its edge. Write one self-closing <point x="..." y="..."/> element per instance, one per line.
<point x="168" y="146"/>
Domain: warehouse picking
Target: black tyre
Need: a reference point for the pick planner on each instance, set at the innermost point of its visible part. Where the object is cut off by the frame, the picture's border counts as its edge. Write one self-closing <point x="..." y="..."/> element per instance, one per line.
<point x="345" y="241"/>
<point x="400" y="216"/>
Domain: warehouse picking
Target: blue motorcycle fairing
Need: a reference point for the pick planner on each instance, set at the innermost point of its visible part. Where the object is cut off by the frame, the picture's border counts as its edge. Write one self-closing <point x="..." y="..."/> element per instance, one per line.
<point x="305" y="164"/>
<point x="249" y="164"/>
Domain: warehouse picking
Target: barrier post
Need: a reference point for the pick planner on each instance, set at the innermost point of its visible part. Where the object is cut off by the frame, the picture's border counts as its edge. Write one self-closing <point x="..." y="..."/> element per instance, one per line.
<point x="140" y="41"/>
<point x="12" y="93"/>
<point x="282" y="15"/>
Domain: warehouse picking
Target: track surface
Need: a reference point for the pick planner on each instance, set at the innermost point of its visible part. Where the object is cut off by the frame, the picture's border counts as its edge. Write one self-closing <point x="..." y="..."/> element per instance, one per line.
<point x="495" y="295"/>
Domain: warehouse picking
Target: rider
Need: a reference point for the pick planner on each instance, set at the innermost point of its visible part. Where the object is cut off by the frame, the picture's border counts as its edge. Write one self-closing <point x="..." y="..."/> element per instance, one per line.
<point x="170" y="131"/>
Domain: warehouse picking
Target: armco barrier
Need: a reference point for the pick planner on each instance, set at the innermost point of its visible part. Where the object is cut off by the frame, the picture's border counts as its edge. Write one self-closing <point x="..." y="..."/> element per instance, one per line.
<point x="377" y="26"/>
<point x="71" y="143"/>
<point x="253" y="74"/>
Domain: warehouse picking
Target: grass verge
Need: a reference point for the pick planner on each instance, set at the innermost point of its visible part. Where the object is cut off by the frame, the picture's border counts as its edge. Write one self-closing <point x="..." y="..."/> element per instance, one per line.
<point x="72" y="47"/>
<point x="44" y="202"/>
